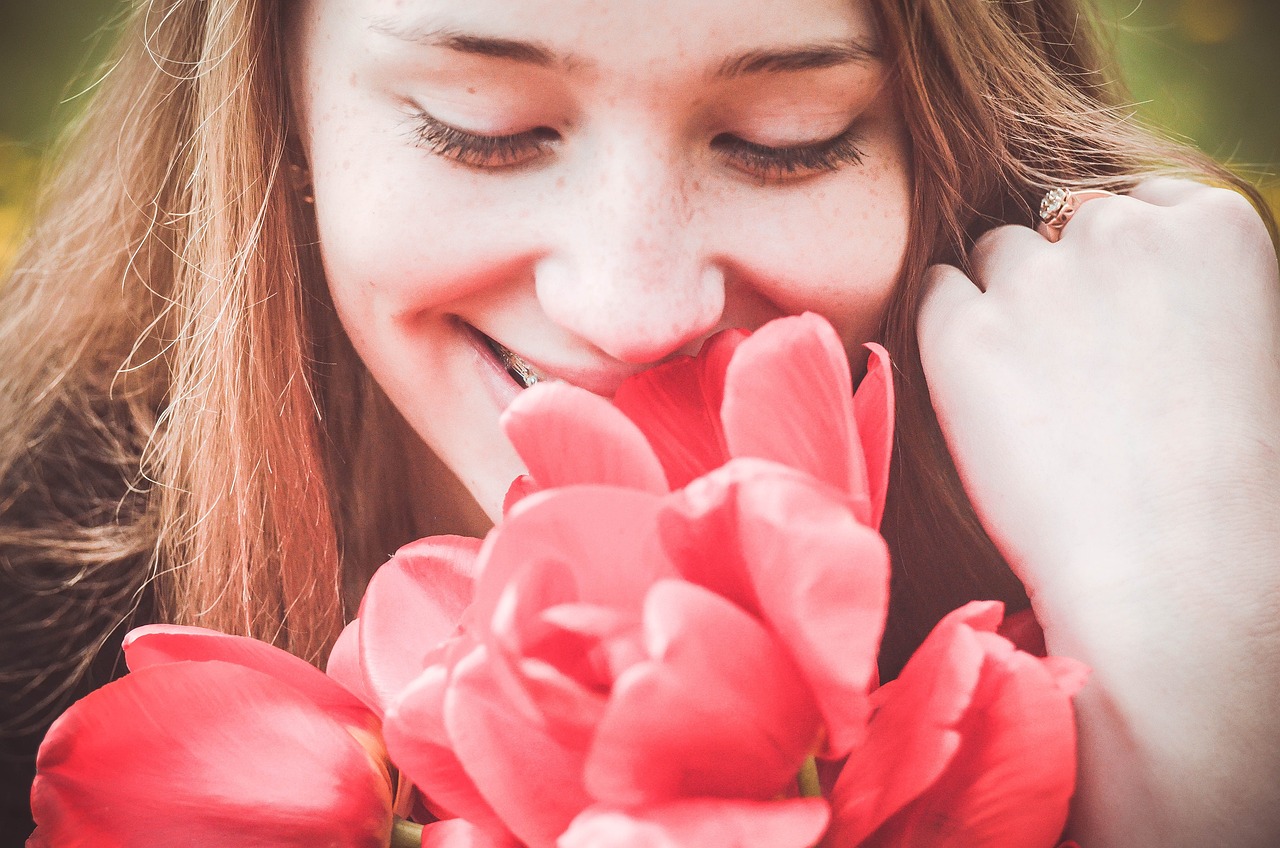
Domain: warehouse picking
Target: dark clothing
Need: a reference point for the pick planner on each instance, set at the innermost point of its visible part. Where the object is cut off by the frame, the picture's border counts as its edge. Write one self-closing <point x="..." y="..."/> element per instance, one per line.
<point x="17" y="768"/>
<point x="75" y="553"/>
<point x="32" y="671"/>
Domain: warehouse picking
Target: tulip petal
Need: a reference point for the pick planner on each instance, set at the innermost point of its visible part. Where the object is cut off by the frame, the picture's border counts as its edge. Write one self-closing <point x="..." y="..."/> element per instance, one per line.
<point x="564" y="651"/>
<point x="419" y="745"/>
<point x="721" y="710"/>
<point x="982" y="738"/>
<point x="817" y="576"/>
<point x="529" y="777"/>
<point x="699" y="822"/>
<point x="568" y="436"/>
<point x="344" y="665"/>
<point x="797" y="370"/>
<point x="162" y="644"/>
<point x="460" y="833"/>
<point x="873" y="416"/>
<point x="606" y="535"/>
<point x="413" y="604"/>
<point x="1011" y="781"/>
<point x="206" y="753"/>
<point x="677" y="406"/>
<point x="912" y="737"/>
<point x="520" y="488"/>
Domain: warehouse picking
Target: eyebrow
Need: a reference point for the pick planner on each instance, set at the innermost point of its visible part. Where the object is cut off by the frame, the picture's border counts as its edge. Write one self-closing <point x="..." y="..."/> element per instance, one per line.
<point x="804" y="57"/>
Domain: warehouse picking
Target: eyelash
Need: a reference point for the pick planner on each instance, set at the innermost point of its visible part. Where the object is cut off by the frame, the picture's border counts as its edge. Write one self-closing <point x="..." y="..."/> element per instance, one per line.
<point x="782" y="163"/>
<point x="506" y="151"/>
<point x="480" y="151"/>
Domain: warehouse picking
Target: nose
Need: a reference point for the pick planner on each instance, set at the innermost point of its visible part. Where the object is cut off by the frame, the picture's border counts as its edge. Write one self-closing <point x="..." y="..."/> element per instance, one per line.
<point x="630" y="272"/>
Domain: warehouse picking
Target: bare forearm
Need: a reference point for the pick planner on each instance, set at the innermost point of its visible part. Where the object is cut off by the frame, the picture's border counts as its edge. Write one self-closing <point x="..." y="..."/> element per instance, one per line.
<point x="1179" y="729"/>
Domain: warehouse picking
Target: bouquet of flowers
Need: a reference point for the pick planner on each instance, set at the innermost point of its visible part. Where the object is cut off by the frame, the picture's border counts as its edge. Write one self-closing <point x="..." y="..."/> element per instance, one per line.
<point x="669" y="640"/>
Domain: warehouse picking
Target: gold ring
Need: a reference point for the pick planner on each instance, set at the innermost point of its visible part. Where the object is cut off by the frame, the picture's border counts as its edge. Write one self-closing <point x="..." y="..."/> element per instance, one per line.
<point x="1059" y="205"/>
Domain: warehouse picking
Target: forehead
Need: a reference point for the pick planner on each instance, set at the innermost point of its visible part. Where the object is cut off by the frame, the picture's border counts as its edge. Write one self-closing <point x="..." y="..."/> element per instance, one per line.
<point x="590" y="33"/>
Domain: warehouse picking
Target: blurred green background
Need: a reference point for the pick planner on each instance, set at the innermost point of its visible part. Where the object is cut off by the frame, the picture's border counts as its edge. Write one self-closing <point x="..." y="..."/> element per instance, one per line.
<point x="1207" y="71"/>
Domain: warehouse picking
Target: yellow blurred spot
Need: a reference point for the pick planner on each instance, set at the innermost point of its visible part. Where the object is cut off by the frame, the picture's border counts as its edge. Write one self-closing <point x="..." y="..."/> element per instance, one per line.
<point x="10" y="226"/>
<point x="17" y="182"/>
<point x="1210" y="21"/>
<point x="1271" y="193"/>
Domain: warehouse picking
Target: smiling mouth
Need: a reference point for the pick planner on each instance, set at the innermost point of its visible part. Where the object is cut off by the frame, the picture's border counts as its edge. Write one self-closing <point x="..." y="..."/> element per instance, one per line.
<point x="522" y="372"/>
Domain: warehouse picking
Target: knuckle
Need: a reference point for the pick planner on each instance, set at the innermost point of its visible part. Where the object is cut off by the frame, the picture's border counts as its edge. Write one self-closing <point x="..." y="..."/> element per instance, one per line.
<point x="1110" y="214"/>
<point x="961" y="333"/>
<point x="987" y="241"/>
<point x="986" y="250"/>
<point x="1232" y="220"/>
<point x="1227" y="204"/>
<point x="1124" y="227"/>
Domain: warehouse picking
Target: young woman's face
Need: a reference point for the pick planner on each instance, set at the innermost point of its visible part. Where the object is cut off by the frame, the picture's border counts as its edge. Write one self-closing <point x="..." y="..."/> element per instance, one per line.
<point x="589" y="187"/>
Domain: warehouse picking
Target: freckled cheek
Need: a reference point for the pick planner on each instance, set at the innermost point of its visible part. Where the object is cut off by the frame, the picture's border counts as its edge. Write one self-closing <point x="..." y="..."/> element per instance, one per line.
<point x="867" y="238"/>
<point x="836" y="251"/>
<point x="365" y="266"/>
<point x="385" y="235"/>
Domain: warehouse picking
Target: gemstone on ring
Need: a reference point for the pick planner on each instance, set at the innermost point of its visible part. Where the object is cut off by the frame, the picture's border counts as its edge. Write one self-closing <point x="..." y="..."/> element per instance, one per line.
<point x="1053" y="204"/>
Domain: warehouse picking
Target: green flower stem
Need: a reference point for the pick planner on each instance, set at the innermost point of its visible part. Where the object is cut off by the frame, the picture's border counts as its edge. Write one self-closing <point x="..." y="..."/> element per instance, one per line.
<point x="810" y="786"/>
<point x="406" y="834"/>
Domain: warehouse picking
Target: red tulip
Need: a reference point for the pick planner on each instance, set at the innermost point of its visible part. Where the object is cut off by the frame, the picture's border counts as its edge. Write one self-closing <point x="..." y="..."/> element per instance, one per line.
<point x="782" y="394"/>
<point x="632" y="646"/>
<point x="213" y="740"/>
<point x="974" y="744"/>
<point x="412" y="605"/>
<point x="633" y="650"/>
<point x="406" y="627"/>
<point x="795" y="823"/>
<point x="683" y="604"/>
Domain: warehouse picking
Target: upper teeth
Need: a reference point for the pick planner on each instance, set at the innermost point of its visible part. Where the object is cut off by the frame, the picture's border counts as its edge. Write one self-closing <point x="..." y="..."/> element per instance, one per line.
<point x="522" y="371"/>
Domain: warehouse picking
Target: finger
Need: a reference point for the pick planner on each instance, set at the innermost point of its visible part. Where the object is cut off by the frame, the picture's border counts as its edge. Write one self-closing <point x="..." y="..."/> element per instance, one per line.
<point x="947" y="292"/>
<point x="998" y="253"/>
<point x="1168" y="191"/>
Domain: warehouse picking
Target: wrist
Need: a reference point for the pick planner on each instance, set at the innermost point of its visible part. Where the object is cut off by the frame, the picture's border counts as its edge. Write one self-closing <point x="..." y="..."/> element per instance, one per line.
<point x="1174" y="749"/>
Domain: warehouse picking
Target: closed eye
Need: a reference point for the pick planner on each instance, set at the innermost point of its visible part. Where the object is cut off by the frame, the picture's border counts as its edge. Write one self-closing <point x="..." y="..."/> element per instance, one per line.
<point x="771" y="164"/>
<point x="481" y="151"/>
<point x="792" y="162"/>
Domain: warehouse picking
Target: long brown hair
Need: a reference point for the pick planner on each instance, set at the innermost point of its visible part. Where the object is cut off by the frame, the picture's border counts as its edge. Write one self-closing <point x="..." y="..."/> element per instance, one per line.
<point x="182" y="413"/>
<point x="171" y="432"/>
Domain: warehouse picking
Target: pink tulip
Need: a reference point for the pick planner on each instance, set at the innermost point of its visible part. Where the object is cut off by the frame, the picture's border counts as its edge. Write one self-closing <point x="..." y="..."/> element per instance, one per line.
<point x="680" y="610"/>
<point x="782" y="394"/>
<point x="406" y="628"/>
<point x="630" y="650"/>
<point x="630" y="645"/>
<point x="213" y="740"/>
<point x="413" y="604"/>
<point x="795" y="823"/>
<point x="974" y="744"/>
<point x="684" y="604"/>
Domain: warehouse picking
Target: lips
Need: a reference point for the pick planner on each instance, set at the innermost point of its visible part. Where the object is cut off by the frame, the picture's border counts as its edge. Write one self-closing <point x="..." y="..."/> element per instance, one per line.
<point x="598" y="378"/>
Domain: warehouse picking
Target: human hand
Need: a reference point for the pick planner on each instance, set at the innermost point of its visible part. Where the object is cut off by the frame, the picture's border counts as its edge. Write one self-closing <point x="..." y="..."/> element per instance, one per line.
<point x="1112" y="403"/>
<point x="1099" y="393"/>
